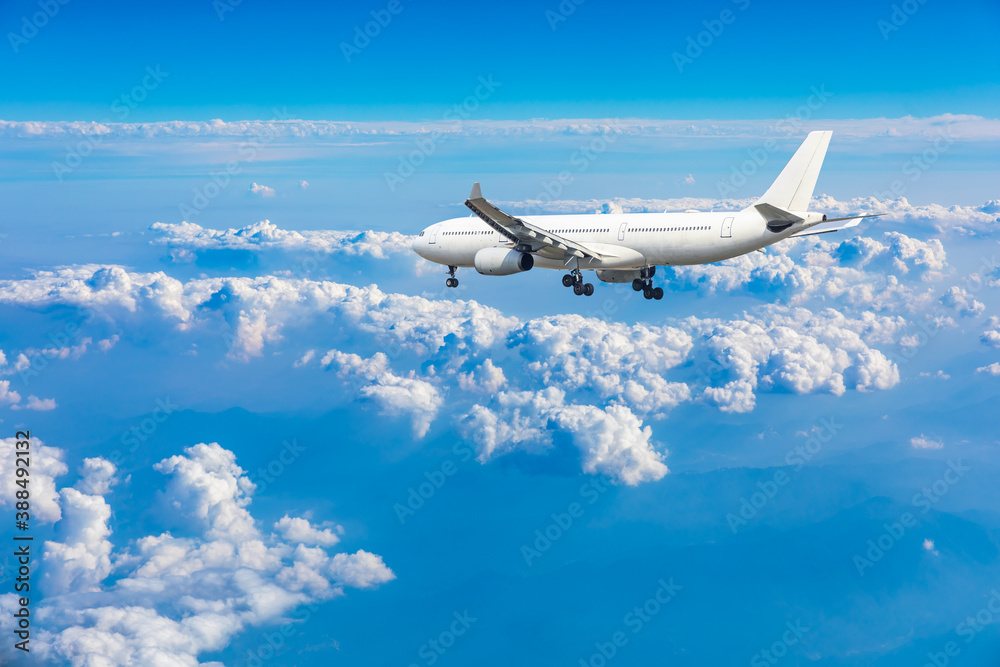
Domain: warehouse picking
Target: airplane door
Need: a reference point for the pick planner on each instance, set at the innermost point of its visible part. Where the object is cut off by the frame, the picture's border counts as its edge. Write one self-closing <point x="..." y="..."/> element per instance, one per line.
<point x="621" y="231"/>
<point x="727" y="228"/>
<point x="434" y="236"/>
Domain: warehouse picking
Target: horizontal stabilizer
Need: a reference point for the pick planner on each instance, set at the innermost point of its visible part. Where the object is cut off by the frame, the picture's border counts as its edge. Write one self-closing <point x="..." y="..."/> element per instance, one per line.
<point x="834" y="225"/>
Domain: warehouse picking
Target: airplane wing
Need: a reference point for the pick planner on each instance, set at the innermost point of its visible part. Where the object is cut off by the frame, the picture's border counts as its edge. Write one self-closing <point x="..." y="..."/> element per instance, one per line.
<point x="519" y="231"/>
<point x="835" y="225"/>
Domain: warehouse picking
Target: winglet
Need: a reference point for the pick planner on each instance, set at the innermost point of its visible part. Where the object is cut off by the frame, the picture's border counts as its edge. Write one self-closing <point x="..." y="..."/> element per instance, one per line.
<point x="476" y="192"/>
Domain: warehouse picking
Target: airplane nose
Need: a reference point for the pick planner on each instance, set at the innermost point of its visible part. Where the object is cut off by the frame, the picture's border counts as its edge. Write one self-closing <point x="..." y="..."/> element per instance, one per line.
<point x="417" y="243"/>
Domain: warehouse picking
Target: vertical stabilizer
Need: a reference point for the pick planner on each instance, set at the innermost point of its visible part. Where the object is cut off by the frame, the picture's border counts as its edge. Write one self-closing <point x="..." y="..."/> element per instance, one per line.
<point x="793" y="189"/>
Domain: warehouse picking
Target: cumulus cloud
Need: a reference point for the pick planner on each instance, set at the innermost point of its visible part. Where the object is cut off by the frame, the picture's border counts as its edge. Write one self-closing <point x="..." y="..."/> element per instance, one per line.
<point x="923" y="442"/>
<point x="304" y="184"/>
<point x="991" y="337"/>
<point x="299" y="530"/>
<point x="512" y="376"/>
<point x="97" y="476"/>
<point x="962" y="302"/>
<point x="35" y="403"/>
<point x="261" y="190"/>
<point x="174" y="598"/>
<point x="47" y="463"/>
<point x="394" y="395"/>
<point x="612" y="441"/>
<point x="862" y="273"/>
<point x="265" y="235"/>
<point x="992" y="369"/>
<point x="792" y="350"/>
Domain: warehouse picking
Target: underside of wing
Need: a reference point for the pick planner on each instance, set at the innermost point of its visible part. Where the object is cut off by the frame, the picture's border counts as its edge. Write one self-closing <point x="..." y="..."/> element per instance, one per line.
<point x="521" y="232"/>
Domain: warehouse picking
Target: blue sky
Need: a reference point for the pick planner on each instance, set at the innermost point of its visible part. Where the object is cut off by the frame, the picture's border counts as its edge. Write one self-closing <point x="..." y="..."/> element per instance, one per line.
<point x="266" y="433"/>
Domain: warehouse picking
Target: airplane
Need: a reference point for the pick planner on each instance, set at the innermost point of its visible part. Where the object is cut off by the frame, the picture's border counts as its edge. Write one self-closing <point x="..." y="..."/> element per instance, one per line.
<point x="627" y="247"/>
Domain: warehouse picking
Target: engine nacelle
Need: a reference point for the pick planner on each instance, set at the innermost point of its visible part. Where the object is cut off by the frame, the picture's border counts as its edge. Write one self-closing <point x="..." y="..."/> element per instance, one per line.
<point x="617" y="276"/>
<point x="502" y="261"/>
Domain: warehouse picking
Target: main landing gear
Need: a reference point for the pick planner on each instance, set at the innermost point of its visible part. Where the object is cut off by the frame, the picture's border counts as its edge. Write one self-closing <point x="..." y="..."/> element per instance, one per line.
<point x="574" y="279"/>
<point x="645" y="284"/>
<point x="453" y="281"/>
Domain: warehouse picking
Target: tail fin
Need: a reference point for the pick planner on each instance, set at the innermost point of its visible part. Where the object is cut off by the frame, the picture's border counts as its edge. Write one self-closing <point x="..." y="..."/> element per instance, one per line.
<point x="794" y="186"/>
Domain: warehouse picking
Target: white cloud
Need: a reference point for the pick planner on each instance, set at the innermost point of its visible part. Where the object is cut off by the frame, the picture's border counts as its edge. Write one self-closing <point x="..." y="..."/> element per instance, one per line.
<point x="261" y="190"/>
<point x="299" y="530"/>
<point x="47" y="463"/>
<point x="7" y="395"/>
<point x="688" y="180"/>
<point x="928" y="545"/>
<point x="923" y="442"/>
<point x="991" y="337"/>
<point x="35" y="403"/>
<point x="360" y="570"/>
<point x="175" y="598"/>
<point x="992" y="369"/>
<point x="851" y="131"/>
<point x="486" y="378"/>
<point x="963" y="302"/>
<point x="97" y="476"/>
<point x="394" y="395"/>
<point x="265" y="235"/>
<point x="304" y="184"/>
<point x="612" y="440"/>
<point x="518" y="371"/>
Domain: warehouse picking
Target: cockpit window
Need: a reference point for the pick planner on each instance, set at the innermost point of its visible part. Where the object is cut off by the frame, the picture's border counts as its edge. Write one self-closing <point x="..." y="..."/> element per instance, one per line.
<point x="421" y="233"/>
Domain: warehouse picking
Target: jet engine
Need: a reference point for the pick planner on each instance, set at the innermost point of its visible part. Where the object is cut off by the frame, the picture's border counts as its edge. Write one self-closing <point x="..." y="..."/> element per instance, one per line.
<point x="502" y="261"/>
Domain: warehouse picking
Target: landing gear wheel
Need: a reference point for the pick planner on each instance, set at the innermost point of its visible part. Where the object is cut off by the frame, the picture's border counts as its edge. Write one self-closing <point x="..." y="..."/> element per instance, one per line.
<point x="578" y="289"/>
<point x="588" y="289"/>
<point x="451" y="282"/>
<point x="657" y="293"/>
<point x="638" y="284"/>
<point x="647" y="292"/>
<point x="568" y="280"/>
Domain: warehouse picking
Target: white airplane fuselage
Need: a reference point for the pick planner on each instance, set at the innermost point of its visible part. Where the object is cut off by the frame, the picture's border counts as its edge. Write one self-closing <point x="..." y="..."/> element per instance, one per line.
<point x="627" y="247"/>
<point x="627" y="240"/>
